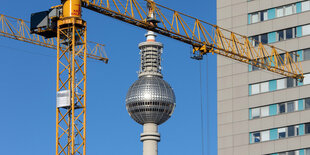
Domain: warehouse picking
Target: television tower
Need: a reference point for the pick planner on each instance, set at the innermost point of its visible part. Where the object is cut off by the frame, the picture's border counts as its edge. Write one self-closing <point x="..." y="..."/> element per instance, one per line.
<point x="150" y="101"/>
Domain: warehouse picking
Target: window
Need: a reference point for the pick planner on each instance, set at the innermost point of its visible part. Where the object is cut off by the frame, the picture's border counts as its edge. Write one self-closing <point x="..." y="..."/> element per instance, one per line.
<point x="263" y="15"/>
<point x="290" y="107"/>
<point x="282" y="132"/>
<point x="307" y="152"/>
<point x="256" y="137"/>
<point x="282" y="60"/>
<point x="288" y="10"/>
<point x="292" y="55"/>
<point x="265" y="136"/>
<point x="290" y="82"/>
<point x="264" y="38"/>
<point x="296" y="105"/>
<point x="282" y="153"/>
<point x="282" y="108"/>
<point x="280" y="35"/>
<point x="254" y="18"/>
<point x="256" y="113"/>
<point x="307" y="103"/>
<point x="290" y="131"/>
<point x="307" y="128"/>
<point x="289" y="33"/>
<point x="305" y="30"/>
<point x="280" y="12"/>
<point x="264" y="87"/>
<point x="297" y="130"/>
<point x="255" y="89"/>
<point x="306" y="54"/>
<point x="306" y="79"/>
<point x="255" y="41"/>
<point x="265" y="111"/>
<point x="305" y="6"/>
<point x="291" y="153"/>
<point x="281" y="83"/>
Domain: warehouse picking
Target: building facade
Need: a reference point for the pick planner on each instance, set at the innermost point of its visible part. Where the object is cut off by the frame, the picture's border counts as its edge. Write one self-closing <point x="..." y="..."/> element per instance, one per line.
<point x="259" y="112"/>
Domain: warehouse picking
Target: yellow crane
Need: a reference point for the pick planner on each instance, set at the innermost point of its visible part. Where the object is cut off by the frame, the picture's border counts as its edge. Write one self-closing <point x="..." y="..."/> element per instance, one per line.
<point x="65" y="23"/>
<point x="18" y="29"/>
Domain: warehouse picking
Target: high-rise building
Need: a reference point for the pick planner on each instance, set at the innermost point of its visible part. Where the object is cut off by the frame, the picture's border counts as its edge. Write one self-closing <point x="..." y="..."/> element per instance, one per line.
<point x="259" y="112"/>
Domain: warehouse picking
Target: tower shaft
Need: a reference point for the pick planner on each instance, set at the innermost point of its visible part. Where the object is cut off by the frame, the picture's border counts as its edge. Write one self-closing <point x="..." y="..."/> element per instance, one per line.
<point x="150" y="138"/>
<point x="71" y="87"/>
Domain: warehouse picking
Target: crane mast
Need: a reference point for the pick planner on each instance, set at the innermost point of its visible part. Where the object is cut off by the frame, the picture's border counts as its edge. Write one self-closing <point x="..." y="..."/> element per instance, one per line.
<point x="71" y="81"/>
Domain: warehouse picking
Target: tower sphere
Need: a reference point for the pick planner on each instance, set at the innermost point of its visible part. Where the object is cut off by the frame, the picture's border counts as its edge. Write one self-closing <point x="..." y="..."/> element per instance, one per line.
<point x="150" y="100"/>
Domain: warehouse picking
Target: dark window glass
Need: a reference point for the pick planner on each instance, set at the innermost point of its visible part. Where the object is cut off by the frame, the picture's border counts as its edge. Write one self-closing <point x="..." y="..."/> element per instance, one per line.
<point x="307" y="128"/>
<point x="282" y="60"/>
<point x="289" y="33"/>
<point x="280" y="35"/>
<point x="282" y="108"/>
<point x="256" y="137"/>
<point x="307" y="103"/>
<point x="307" y="54"/>
<point x="307" y="151"/>
<point x="262" y="16"/>
<point x="291" y="153"/>
<point x="255" y="40"/>
<point x="290" y="107"/>
<point x="264" y="38"/>
<point x="256" y="68"/>
<point x="292" y="55"/>
<point x="290" y="82"/>
<point x="297" y="130"/>
<point x="282" y="135"/>
<point x="290" y="131"/>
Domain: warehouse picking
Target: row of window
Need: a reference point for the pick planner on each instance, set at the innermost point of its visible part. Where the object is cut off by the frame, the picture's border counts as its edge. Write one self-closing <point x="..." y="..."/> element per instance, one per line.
<point x="303" y="55"/>
<point x="279" y="133"/>
<point x="278" y="12"/>
<point x="294" y="152"/>
<point x="281" y="35"/>
<point x="280" y="108"/>
<point x="277" y="84"/>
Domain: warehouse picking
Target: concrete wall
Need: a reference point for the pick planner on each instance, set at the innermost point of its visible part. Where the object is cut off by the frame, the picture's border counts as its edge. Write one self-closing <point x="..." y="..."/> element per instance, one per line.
<point x="234" y="101"/>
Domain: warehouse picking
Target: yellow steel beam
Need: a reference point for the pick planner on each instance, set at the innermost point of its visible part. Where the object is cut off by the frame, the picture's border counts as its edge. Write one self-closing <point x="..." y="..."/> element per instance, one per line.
<point x="71" y="76"/>
<point x="18" y="29"/>
<point x="203" y="36"/>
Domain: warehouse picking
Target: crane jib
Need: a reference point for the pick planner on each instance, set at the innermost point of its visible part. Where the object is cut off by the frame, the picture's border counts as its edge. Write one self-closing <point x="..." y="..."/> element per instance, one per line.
<point x="203" y="36"/>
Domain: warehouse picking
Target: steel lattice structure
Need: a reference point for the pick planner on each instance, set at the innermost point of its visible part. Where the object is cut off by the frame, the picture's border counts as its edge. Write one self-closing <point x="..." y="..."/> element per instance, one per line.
<point x="18" y="29"/>
<point x="72" y="50"/>
<point x="71" y="75"/>
<point x="203" y="36"/>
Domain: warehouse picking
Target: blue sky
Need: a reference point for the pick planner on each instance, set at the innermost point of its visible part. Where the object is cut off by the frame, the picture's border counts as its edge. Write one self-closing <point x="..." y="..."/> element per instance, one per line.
<point x="28" y="88"/>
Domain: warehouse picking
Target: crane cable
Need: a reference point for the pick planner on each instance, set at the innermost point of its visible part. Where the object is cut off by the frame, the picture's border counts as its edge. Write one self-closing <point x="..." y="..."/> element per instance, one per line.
<point x="201" y="111"/>
<point x="207" y="108"/>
